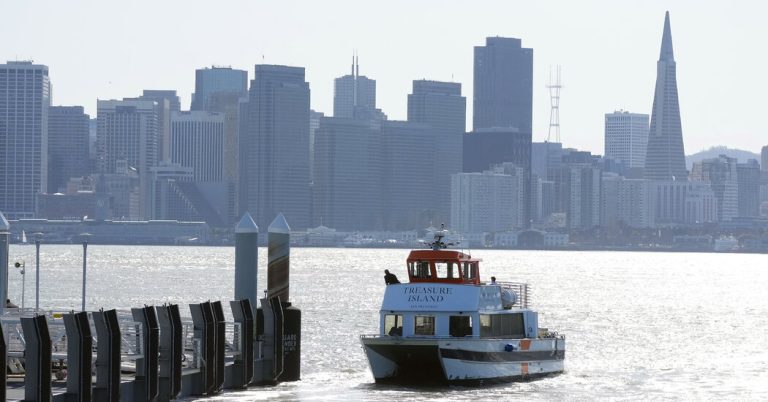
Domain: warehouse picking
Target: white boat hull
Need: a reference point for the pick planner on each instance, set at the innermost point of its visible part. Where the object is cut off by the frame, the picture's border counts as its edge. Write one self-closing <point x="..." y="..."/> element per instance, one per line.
<point x="460" y="360"/>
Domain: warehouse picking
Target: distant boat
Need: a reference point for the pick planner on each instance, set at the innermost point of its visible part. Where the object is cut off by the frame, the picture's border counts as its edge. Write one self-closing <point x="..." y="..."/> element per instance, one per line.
<point x="726" y="243"/>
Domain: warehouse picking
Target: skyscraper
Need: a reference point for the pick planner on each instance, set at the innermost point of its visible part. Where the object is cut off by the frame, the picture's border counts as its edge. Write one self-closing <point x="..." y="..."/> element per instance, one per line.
<point x="347" y="189"/>
<point x="626" y="138"/>
<point x="722" y="175"/>
<point x="167" y="103"/>
<point x="749" y="188"/>
<point x="665" y="157"/>
<point x="441" y="105"/>
<point x="764" y="159"/>
<point x="274" y="147"/>
<point x="353" y="91"/>
<point x="25" y="95"/>
<point x="127" y="133"/>
<point x="68" y="142"/>
<point x="197" y="141"/>
<point x="209" y="81"/>
<point x="503" y="85"/>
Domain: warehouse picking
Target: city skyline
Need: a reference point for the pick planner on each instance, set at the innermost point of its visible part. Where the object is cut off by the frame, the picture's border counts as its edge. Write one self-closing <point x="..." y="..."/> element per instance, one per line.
<point x="619" y="49"/>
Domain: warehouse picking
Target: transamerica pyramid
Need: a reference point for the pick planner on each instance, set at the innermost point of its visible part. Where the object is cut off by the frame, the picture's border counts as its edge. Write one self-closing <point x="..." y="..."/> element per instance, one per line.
<point x="665" y="157"/>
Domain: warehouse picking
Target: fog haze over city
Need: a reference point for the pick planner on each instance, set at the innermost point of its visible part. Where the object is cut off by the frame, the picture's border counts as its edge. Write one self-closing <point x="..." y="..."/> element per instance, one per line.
<point x="607" y="50"/>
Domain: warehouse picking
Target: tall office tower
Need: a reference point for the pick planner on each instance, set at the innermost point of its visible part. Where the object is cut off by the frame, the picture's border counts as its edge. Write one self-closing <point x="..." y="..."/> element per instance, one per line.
<point x="764" y="159"/>
<point x="347" y="187"/>
<point x="167" y="103"/>
<point x="217" y="79"/>
<point x="274" y="148"/>
<point x="665" y="157"/>
<point x="25" y="95"/>
<point x="197" y="141"/>
<point x="409" y="190"/>
<point x="503" y="91"/>
<point x="352" y="92"/>
<point x="626" y="138"/>
<point x="314" y="124"/>
<point x="721" y="174"/>
<point x="68" y="143"/>
<point x="749" y="188"/>
<point x="441" y="106"/>
<point x="127" y="131"/>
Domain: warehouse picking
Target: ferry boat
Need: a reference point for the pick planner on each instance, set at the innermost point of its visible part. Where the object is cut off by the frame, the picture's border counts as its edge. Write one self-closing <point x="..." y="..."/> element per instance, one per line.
<point x="445" y="326"/>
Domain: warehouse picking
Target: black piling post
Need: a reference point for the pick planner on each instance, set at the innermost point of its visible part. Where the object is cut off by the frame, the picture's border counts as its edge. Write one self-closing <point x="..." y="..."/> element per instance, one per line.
<point x="107" y="387"/>
<point x="79" y="357"/>
<point x="220" y="335"/>
<point x="171" y="345"/>
<point x="37" y="359"/>
<point x="146" y="382"/>
<point x="240" y="373"/>
<point x="3" y="365"/>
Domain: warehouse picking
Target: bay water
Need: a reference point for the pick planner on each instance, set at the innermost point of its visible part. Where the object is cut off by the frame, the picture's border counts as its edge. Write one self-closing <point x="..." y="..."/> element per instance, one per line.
<point x="638" y="325"/>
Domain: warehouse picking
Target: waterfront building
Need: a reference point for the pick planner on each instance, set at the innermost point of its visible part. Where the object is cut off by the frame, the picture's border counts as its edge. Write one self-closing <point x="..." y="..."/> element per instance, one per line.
<point x="197" y="141"/>
<point x="483" y="202"/>
<point x="626" y="202"/>
<point x="748" y="177"/>
<point x="176" y="196"/>
<point x="353" y="92"/>
<point x="722" y="175"/>
<point x="665" y="156"/>
<point x="503" y="85"/>
<point x="487" y="147"/>
<point x="25" y="96"/>
<point x="127" y="131"/>
<point x="678" y="203"/>
<point x="626" y="138"/>
<point x="347" y="188"/>
<point x="583" y="186"/>
<point x="441" y="106"/>
<point x="274" y="147"/>
<point x="209" y="81"/>
<point x="68" y="146"/>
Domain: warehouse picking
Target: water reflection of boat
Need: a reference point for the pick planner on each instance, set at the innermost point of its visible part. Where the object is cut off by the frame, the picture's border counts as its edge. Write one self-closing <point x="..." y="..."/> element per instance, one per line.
<point x="446" y="326"/>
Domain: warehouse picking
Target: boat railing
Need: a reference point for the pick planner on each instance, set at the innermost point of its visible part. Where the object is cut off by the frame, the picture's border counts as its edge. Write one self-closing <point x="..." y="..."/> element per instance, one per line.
<point x="522" y="290"/>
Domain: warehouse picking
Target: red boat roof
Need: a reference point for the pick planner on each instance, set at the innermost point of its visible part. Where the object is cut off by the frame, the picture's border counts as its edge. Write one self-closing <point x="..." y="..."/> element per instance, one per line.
<point x="443" y="266"/>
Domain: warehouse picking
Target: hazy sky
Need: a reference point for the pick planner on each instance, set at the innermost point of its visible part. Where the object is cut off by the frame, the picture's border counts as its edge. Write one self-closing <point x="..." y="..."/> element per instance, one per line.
<point x="608" y="52"/>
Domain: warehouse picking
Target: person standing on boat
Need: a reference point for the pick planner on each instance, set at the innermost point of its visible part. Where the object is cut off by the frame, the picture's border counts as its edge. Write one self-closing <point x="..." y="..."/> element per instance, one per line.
<point x="390" y="278"/>
<point x="493" y="280"/>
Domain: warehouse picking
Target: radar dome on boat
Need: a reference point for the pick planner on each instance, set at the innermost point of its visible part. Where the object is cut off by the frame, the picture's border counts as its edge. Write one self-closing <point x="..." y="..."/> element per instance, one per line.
<point x="508" y="298"/>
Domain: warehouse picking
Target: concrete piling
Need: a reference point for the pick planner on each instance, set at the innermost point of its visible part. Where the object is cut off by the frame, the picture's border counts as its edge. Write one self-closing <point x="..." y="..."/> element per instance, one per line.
<point x="246" y="259"/>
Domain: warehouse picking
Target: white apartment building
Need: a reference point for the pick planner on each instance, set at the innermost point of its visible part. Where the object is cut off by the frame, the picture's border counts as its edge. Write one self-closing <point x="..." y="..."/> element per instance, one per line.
<point x="626" y="138"/>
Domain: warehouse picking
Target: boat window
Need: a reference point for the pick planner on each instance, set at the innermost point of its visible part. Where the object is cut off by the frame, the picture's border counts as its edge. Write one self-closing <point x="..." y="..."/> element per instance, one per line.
<point x="446" y="270"/>
<point x="424" y="325"/>
<point x="495" y="325"/>
<point x="469" y="270"/>
<point x="419" y="269"/>
<point x="460" y="325"/>
<point x="393" y="324"/>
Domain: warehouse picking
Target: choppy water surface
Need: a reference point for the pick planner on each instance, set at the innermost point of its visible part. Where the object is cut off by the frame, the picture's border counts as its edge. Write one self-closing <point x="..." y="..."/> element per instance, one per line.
<point x="638" y="325"/>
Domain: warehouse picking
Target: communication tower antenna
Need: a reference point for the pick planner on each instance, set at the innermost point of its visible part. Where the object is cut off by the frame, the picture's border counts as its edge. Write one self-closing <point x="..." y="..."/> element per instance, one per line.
<point x="554" y="103"/>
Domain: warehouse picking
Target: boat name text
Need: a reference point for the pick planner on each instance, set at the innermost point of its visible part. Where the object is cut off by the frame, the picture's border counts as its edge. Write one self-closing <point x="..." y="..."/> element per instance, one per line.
<point x="427" y="294"/>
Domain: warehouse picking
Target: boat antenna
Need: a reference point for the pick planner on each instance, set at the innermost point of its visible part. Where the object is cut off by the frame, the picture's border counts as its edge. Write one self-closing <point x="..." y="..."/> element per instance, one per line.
<point x="438" y="243"/>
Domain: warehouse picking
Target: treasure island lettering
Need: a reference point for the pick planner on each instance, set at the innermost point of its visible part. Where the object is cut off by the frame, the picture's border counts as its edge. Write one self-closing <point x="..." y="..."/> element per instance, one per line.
<point x="427" y="294"/>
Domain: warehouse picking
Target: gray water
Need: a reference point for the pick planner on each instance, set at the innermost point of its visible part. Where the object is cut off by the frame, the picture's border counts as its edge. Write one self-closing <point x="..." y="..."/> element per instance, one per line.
<point x="638" y="325"/>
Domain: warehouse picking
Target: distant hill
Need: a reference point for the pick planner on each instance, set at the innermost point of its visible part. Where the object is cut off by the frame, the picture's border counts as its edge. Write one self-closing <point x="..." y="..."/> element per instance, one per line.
<point x="713" y="152"/>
